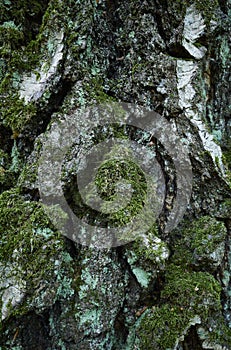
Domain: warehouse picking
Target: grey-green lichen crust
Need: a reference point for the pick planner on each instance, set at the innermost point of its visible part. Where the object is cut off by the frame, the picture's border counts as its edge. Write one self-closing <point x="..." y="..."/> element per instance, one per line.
<point x="159" y="291"/>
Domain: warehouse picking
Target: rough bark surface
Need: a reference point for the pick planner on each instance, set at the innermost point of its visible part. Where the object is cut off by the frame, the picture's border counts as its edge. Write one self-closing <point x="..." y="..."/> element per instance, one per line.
<point x="172" y="290"/>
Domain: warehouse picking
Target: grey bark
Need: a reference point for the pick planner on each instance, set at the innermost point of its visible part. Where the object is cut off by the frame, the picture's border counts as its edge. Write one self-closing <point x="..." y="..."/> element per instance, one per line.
<point x="170" y="290"/>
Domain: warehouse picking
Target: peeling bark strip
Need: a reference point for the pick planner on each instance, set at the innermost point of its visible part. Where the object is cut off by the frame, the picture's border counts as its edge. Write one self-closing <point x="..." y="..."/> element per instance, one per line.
<point x="163" y="289"/>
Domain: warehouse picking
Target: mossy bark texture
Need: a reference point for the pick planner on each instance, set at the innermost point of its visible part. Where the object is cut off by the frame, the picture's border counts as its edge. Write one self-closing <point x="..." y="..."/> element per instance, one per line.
<point x="163" y="291"/>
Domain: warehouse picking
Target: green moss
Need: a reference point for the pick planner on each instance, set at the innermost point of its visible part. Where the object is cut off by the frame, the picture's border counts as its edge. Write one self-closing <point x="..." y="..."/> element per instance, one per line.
<point x="161" y="327"/>
<point x="14" y="212"/>
<point x="186" y="297"/>
<point x="119" y="183"/>
<point x="19" y="21"/>
<point x="18" y="114"/>
<point x="192" y="287"/>
<point x="10" y="37"/>
<point x="116" y="171"/>
<point x="26" y="235"/>
<point x="201" y="243"/>
<point x="95" y="91"/>
<point x="225" y="208"/>
<point x="21" y="54"/>
<point x="14" y="112"/>
<point x="21" y="10"/>
<point x="189" y="295"/>
<point x="207" y="8"/>
<point x="226" y="158"/>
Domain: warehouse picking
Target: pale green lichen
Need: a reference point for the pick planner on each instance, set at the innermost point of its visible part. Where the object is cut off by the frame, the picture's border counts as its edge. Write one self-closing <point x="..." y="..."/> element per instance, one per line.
<point x="142" y="276"/>
<point x="16" y="163"/>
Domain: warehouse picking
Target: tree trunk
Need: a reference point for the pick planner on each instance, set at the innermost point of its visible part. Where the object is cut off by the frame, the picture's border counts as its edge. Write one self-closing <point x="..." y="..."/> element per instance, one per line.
<point x="115" y="201"/>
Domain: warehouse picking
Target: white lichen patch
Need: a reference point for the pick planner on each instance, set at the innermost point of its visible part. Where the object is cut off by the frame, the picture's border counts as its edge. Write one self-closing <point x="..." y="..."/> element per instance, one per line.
<point x="208" y="140"/>
<point x="32" y="87"/>
<point x="186" y="70"/>
<point x="186" y="73"/>
<point x="157" y="249"/>
<point x="147" y="256"/>
<point x="203" y="335"/>
<point x="194" y="27"/>
<point x="13" y="291"/>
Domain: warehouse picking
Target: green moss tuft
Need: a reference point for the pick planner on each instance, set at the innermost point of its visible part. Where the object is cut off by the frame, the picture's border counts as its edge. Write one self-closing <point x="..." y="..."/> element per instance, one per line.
<point x="16" y="114"/>
<point x="193" y="288"/>
<point x="10" y="37"/>
<point x="161" y="327"/>
<point x="116" y="171"/>
<point x="201" y="243"/>
<point x="188" y="298"/>
<point x="27" y="235"/>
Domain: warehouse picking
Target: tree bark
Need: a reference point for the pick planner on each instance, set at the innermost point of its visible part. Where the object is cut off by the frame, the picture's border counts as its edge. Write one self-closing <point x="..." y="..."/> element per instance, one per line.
<point x="73" y="76"/>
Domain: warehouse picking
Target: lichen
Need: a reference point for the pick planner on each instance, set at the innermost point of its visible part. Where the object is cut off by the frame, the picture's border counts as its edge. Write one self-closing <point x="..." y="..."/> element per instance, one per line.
<point x="147" y="256"/>
<point x="151" y="247"/>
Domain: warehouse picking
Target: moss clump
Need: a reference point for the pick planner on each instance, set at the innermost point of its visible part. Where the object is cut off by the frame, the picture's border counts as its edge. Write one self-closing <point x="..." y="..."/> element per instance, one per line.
<point x="17" y="114"/>
<point x="95" y="92"/>
<point x="20" y="25"/>
<point x="118" y="188"/>
<point x="200" y="244"/>
<point x="188" y="298"/>
<point x="161" y="327"/>
<point x="33" y="255"/>
<point x="24" y="43"/>
<point x="14" y="112"/>
<point x="226" y="158"/>
<point x="23" y="12"/>
<point x="225" y="208"/>
<point x="114" y="172"/>
<point x="207" y="8"/>
<point x="27" y="236"/>
<point x="10" y="37"/>
<point x="192" y="287"/>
